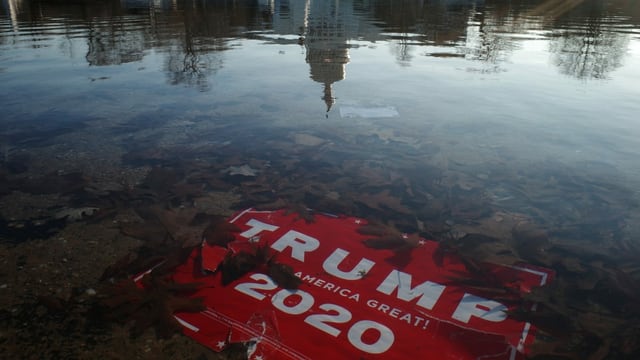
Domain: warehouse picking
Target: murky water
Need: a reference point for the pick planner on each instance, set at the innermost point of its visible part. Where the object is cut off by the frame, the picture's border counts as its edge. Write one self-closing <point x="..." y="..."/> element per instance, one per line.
<point x="515" y="120"/>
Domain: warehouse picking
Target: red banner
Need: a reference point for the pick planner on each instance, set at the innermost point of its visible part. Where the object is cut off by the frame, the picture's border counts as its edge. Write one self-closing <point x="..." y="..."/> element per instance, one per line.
<point x="355" y="302"/>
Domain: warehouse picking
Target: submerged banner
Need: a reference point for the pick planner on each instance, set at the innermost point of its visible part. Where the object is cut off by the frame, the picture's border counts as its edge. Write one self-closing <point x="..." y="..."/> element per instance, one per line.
<point x="355" y="301"/>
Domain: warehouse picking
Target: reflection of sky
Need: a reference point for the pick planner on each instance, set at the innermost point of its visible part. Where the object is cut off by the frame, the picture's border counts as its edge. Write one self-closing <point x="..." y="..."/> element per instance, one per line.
<point x="498" y="71"/>
<point x="528" y="108"/>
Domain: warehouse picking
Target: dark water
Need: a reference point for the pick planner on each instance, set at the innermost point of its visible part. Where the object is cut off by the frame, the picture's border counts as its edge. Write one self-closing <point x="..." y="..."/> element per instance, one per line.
<point x="517" y="120"/>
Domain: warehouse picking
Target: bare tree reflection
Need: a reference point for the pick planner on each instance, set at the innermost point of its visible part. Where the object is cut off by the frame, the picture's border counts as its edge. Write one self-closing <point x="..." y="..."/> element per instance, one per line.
<point x="111" y="44"/>
<point x="194" y="33"/>
<point x="189" y="67"/>
<point x="487" y="35"/>
<point x="184" y="62"/>
<point x="589" y="51"/>
<point x="411" y="24"/>
<point x="195" y="50"/>
<point x="405" y="21"/>
<point x="483" y="43"/>
<point x="585" y="44"/>
<point x="587" y="55"/>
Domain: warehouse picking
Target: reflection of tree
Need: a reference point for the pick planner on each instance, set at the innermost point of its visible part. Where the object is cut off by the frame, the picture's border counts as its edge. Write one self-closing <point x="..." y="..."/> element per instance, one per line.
<point x="589" y="50"/>
<point x="486" y="41"/>
<point x="196" y="52"/>
<point x="112" y="44"/>
<point x="190" y="67"/>
<point x="402" y="51"/>
<point x="401" y="47"/>
<point x="413" y="23"/>
<point x="403" y="20"/>
<point x="195" y="32"/>
<point x="586" y="44"/>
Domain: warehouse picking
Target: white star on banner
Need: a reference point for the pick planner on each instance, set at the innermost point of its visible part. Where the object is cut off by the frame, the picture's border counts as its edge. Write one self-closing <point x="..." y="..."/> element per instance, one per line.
<point x="422" y="242"/>
<point x="221" y="344"/>
<point x="258" y="357"/>
<point x="358" y="221"/>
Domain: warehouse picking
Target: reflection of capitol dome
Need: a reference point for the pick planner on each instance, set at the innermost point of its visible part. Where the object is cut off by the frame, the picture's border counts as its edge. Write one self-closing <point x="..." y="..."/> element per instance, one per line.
<point x="326" y="44"/>
<point x="327" y="67"/>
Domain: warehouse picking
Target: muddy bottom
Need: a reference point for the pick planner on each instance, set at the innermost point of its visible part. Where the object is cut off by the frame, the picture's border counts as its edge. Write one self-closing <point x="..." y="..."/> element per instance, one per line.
<point x="49" y="288"/>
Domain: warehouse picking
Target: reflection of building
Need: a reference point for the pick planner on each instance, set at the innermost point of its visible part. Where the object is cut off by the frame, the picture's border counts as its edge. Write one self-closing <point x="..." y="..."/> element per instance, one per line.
<point x="324" y="28"/>
<point x="325" y="39"/>
<point x="13" y="6"/>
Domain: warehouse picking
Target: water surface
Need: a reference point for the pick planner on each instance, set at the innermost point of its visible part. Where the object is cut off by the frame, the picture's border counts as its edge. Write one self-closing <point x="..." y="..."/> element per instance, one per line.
<point x="508" y="119"/>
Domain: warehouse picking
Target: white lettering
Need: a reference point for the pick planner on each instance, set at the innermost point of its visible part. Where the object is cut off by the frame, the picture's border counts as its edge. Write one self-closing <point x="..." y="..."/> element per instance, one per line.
<point x="331" y="264"/>
<point x="472" y="305"/>
<point x="328" y="286"/>
<point x="428" y="291"/>
<point x="394" y="312"/>
<point x="257" y="227"/>
<point x="384" y="342"/>
<point x="279" y="301"/>
<point x="298" y="242"/>
<point x="320" y="321"/>
<point x="309" y="278"/>
<point x="265" y="283"/>
<point x="406" y="317"/>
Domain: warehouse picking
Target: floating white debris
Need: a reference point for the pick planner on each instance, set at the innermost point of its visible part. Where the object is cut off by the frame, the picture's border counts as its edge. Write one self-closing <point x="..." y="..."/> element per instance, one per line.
<point x="244" y="170"/>
<point x="75" y="214"/>
<point x="368" y="112"/>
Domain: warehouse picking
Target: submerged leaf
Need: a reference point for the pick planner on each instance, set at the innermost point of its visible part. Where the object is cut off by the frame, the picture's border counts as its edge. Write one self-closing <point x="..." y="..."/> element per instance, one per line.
<point x="151" y="305"/>
<point x="220" y="232"/>
<point x="383" y="200"/>
<point x="388" y="237"/>
<point x="302" y="211"/>
<point x="235" y="266"/>
<point x="283" y="275"/>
